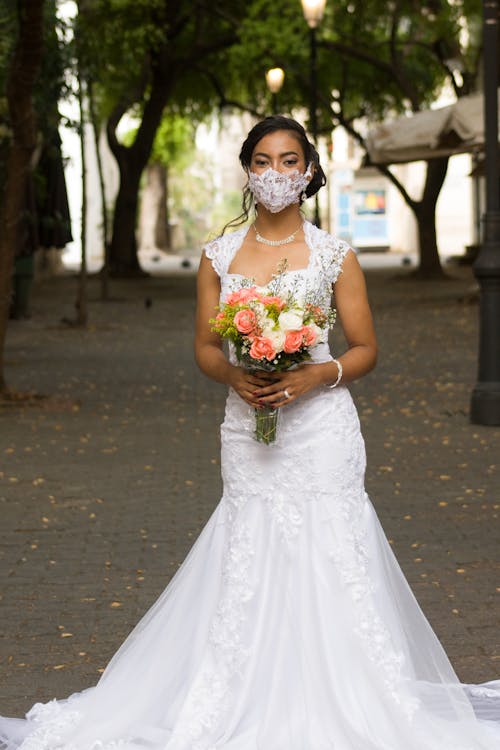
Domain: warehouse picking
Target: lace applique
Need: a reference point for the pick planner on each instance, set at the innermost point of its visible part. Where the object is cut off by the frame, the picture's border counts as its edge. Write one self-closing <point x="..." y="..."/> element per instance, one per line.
<point x="328" y="253"/>
<point x="54" y="724"/>
<point x="341" y="489"/>
<point x="56" y="719"/>
<point x="226" y="627"/>
<point x="221" y="250"/>
<point x="285" y="513"/>
<point x="210" y="697"/>
<point x="353" y="567"/>
<point x="282" y="497"/>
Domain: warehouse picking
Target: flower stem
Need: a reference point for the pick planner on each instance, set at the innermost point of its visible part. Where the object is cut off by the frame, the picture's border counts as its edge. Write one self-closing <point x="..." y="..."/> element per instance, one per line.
<point x="266" y="423"/>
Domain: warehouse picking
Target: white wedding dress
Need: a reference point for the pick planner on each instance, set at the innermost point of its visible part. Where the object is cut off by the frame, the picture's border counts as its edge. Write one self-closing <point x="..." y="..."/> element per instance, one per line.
<point x="290" y="625"/>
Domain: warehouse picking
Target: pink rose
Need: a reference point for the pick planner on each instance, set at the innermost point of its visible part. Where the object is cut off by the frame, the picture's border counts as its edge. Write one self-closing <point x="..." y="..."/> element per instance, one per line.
<point x="241" y="296"/>
<point x="308" y="335"/>
<point x="262" y="348"/>
<point x="220" y="316"/>
<point x="293" y="342"/>
<point x="270" y="300"/>
<point x="245" y="321"/>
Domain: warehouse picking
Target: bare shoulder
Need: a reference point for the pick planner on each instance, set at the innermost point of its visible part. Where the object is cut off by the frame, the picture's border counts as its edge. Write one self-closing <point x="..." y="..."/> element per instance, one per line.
<point x="352" y="273"/>
<point x="350" y="292"/>
<point x="208" y="280"/>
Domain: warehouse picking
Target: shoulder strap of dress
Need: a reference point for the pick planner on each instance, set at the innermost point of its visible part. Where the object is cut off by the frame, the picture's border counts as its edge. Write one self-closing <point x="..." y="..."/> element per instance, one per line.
<point x="328" y="252"/>
<point x="222" y="250"/>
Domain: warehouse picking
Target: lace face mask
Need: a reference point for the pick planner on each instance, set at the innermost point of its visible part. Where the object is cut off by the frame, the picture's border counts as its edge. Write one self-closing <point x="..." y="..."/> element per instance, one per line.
<point x="275" y="191"/>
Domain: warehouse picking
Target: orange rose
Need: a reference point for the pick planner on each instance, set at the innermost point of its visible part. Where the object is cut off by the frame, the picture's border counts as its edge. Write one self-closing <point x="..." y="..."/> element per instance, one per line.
<point x="293" y="342"/>
<point x="270" y="300"/>
<point x="241" y="296"/>
<point x="262" y="348"/>
<point x="245" y="321"/>
<point x="309" y="335"/>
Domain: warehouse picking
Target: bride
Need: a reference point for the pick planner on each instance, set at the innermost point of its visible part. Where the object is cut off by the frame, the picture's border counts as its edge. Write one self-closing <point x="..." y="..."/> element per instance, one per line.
<point x="290" y="625"/>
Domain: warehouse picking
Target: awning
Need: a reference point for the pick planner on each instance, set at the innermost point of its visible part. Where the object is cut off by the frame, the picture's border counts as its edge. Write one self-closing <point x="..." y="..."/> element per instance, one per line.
<point x="456" y="129"/>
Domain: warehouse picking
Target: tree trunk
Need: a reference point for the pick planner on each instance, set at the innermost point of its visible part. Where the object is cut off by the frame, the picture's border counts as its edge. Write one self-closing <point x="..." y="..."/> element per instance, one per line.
<point x="168" y="225"/>
<point x="81" y="300"/>
<point x="425" y="213"/>
<point x="123" y="259"/>
<point x="161" y="215"/>
<point x="102" y="189"/>
<point x="23" y="71"/>
<point x="131" y="163"/>
<point x="429" y="265"/>
<point x="153" y="214"/>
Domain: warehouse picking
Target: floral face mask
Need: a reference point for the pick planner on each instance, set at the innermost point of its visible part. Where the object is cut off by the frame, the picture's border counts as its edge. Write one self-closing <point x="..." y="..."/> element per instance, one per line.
<point x="275" y="191"/>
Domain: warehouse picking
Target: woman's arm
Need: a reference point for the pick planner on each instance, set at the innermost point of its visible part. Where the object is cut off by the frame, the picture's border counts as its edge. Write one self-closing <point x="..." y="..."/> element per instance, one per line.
<point x="351" y="302"/>
<point x="208" y="345"/>
<point x="354" y="314"/>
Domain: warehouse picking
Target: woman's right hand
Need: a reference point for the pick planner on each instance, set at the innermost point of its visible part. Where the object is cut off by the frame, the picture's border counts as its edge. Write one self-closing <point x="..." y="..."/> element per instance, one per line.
<point x="245" y="383"/>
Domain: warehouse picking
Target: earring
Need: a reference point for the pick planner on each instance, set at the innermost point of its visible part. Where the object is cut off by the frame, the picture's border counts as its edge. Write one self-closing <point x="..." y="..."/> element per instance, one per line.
<point x="303" y="196"/>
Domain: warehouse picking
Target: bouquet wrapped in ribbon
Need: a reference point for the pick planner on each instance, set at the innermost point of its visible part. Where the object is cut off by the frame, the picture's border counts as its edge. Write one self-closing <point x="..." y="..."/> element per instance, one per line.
<point x="270" y="332"/>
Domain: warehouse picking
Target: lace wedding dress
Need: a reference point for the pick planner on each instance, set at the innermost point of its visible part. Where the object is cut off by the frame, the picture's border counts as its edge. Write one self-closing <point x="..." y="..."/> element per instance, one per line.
<point x="290" y="625"/>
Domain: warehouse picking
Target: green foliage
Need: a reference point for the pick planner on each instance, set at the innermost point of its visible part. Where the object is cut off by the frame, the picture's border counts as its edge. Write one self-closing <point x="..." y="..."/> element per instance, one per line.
<point x="382" y="57"/>
<point x="174" y="142"/>
<point x="123" y="44"/>
<point x="115" y="41"/>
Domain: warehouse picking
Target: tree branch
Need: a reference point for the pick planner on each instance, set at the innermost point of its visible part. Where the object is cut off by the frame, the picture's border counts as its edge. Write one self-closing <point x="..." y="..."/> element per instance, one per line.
<point x="223" y="100"/>
<point x="394" y="71"/>
<point x="122" y="106"/>
<point x="382" y="168"/>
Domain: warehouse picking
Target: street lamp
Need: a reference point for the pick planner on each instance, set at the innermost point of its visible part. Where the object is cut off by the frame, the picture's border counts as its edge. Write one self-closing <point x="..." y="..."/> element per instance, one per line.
<point x="274" y="80"/>
<point x="313" y="13"/>
<point x="485" y="400"/>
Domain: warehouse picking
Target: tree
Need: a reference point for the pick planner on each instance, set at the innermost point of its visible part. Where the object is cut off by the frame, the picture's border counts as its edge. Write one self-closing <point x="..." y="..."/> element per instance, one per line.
<point x="146" y="55"/>
<point x="22" y="73"/>
<point x="383" y="58"/>
<point x="172" y="149"/>
<point x="415" y="49"/>
<point x="380" y="58"/>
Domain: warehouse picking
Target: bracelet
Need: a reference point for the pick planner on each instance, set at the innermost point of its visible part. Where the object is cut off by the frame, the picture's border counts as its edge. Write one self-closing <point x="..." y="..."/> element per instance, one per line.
<point x="339" y="375"/>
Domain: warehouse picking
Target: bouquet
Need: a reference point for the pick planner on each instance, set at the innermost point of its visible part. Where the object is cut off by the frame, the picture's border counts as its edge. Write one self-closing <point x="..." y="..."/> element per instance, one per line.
<point x="270" y="332"/>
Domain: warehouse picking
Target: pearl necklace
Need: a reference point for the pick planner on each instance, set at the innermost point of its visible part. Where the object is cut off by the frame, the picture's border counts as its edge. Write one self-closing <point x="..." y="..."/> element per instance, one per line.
<point x="276" y="243"/>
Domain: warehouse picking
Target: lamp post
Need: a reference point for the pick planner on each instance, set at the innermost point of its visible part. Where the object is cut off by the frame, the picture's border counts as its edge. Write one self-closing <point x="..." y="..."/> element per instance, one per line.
<point x="485" y="400"/>
<point x="274" y="80"/>
<point x="313" y="13"/>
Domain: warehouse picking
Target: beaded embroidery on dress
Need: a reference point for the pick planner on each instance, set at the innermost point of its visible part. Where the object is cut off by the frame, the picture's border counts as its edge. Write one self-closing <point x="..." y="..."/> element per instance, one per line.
<point x="290" y="625"/>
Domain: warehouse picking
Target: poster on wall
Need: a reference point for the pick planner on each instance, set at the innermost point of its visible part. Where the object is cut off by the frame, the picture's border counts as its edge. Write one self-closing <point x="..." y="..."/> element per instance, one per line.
<point x="369" y="223"/>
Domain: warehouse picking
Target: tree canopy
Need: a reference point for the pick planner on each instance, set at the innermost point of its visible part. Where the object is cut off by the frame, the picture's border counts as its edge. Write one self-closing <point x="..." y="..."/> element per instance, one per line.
<point x="375" y="59"/>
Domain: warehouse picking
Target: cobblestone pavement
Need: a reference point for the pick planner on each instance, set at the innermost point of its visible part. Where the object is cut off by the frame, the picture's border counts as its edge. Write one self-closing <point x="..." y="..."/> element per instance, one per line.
<point x="105" y="484"/>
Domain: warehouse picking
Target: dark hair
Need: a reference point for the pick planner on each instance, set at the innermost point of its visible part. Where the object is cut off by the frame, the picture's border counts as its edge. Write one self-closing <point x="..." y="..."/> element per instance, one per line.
<point x="269" y="125"/>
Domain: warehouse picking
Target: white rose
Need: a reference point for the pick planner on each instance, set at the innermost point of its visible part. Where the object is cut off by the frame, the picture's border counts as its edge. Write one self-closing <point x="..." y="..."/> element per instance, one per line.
<point x="265" y="322"/>
<point x="291" y="320"/>
<point x="277" y="338"/>
<point x="318" y="331"/>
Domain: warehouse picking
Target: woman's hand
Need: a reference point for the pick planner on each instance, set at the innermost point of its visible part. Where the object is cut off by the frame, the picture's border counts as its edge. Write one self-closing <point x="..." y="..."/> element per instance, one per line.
<point x="247" y="384"/>
<point x="282" y="388"/>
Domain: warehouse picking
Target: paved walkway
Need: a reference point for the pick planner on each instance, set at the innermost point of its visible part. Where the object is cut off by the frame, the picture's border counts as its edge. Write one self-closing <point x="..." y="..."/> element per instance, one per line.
<point x="105" y="485"/>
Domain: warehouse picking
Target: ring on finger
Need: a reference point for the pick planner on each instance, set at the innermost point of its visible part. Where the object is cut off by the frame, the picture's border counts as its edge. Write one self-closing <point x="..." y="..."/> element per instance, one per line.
<point x="286" y="394"/>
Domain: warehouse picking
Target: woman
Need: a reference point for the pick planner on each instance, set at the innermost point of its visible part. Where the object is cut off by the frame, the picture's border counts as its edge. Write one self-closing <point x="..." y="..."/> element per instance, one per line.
<point x="289" y="626"/>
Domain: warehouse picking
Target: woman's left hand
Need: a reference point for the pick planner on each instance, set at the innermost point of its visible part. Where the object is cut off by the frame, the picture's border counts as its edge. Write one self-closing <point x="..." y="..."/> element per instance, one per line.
<point x="285" y="387"/>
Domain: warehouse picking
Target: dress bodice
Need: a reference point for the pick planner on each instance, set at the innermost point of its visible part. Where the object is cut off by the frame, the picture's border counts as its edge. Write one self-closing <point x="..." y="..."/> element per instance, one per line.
<point x="317" y="278"/>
